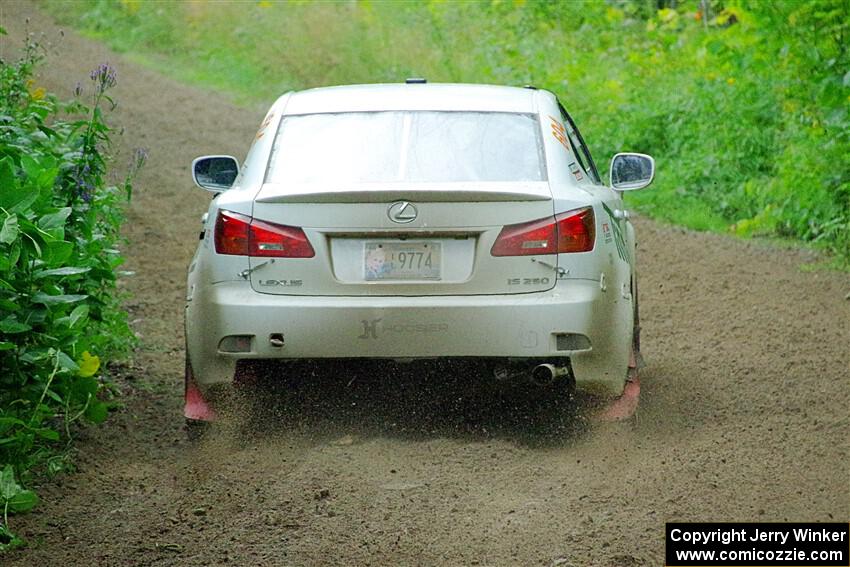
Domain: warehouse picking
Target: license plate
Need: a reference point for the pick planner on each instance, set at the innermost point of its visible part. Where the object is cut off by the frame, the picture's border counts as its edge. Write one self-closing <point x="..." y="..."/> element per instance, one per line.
<point x="402" y="261"/>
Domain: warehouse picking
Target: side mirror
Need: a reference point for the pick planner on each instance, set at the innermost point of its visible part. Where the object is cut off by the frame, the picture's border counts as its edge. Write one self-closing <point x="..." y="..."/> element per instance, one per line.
<point x="631" y="171"/>
<point x="215" y="173"/>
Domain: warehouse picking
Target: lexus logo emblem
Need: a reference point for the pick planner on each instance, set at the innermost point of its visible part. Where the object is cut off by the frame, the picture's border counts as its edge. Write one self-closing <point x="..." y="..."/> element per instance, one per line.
<point x="402" y="212"/>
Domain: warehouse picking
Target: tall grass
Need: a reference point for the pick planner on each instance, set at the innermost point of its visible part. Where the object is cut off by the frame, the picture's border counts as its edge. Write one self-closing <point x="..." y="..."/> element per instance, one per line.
<point x="746" y="107"/>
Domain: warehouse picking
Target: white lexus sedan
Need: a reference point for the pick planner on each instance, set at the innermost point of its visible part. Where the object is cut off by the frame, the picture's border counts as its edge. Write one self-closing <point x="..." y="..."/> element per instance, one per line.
<point x="416" y="221"/>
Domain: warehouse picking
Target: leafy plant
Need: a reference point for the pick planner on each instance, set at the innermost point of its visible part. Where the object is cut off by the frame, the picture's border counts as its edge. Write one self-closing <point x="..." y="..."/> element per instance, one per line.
<point x="13" y="499"/>
<point x="59" y="238"/>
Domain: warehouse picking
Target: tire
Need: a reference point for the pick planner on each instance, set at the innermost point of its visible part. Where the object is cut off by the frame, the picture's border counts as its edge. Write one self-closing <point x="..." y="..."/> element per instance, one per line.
<point x="639" y="363"/>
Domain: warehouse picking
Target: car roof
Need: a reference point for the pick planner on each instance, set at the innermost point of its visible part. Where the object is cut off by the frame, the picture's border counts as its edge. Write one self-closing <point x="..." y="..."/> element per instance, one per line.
<point x="430" y="96"/>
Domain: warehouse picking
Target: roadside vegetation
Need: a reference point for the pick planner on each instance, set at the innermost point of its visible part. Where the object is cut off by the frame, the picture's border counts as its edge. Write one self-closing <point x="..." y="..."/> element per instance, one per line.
<point x="745" y="104"/>
<point x="60" y="317"/>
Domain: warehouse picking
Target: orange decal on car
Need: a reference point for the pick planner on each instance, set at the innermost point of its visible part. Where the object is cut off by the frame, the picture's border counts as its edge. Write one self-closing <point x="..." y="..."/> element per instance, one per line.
<point x="266" y="121"/>
<point x="559" y="132"/>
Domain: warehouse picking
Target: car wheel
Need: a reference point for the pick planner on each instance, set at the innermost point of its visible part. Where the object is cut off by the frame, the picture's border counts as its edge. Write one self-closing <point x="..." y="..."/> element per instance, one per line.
<point x="624" y="407"/>
<point x="636" y="356"/>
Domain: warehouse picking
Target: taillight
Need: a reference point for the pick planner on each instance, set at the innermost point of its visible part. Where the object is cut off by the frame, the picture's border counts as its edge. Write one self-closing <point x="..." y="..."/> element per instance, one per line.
<point x="231" y="233"/>
<point x="243" y="236"/>
<point x="576" y="230"/>
<point x="278" y="241"/>
<point x="573" y="231"/>
<point x="535" y="237"/>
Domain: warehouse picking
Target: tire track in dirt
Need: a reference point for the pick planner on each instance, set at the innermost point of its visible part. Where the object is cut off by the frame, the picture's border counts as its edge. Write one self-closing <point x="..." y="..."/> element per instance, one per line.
<point x="743" y="416"/>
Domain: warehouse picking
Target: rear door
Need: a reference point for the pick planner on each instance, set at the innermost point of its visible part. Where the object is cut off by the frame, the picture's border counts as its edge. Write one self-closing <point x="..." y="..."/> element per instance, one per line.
<point x="405" y="203"/>
<point x="615" y="224"/>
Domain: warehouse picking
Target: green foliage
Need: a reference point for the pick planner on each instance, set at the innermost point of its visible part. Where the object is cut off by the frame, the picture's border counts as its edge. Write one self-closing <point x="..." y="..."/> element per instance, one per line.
<point x="59" y="227"/>
<point x="13" y="499"/>
<point x="746" y="108"/>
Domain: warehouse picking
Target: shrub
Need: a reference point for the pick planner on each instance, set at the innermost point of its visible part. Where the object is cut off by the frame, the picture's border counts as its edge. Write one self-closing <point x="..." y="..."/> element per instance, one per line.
<point x="60" y="316"/>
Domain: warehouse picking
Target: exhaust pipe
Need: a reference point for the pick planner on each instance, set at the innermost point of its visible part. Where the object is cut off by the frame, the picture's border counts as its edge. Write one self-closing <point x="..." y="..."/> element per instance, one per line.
<point x="546" y="374"/>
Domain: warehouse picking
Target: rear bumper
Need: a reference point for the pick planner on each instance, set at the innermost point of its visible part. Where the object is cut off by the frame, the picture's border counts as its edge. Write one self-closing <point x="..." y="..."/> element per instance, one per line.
<point x="515" y="326"/>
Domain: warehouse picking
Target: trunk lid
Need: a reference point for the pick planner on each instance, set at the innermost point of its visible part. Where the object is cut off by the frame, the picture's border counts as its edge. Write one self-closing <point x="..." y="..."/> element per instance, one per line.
<point x="438" y="244"/>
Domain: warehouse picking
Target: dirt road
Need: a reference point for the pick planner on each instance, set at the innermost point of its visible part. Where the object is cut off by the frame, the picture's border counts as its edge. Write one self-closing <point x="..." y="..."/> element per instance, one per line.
<point x="744" y="414"/>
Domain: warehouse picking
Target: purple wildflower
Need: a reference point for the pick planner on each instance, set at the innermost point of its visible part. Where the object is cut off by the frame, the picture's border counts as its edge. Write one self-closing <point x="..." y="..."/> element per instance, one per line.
<point x="84" y="189"/>
<point x="82" y="184"/>
<point x="104" y="77"/>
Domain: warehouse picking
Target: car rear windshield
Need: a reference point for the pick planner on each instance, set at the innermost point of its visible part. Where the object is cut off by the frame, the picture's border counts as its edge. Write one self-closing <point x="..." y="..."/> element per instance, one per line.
<point x="409" y="146"/>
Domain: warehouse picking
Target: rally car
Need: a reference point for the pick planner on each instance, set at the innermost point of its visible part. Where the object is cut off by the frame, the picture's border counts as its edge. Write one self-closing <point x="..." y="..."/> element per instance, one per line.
<point x="416" y="221"/>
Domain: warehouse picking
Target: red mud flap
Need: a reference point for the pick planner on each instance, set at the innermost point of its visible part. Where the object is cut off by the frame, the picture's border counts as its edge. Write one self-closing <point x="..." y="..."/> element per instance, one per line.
<point x="624" y="407"/>
<point x="196" y="407"/>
